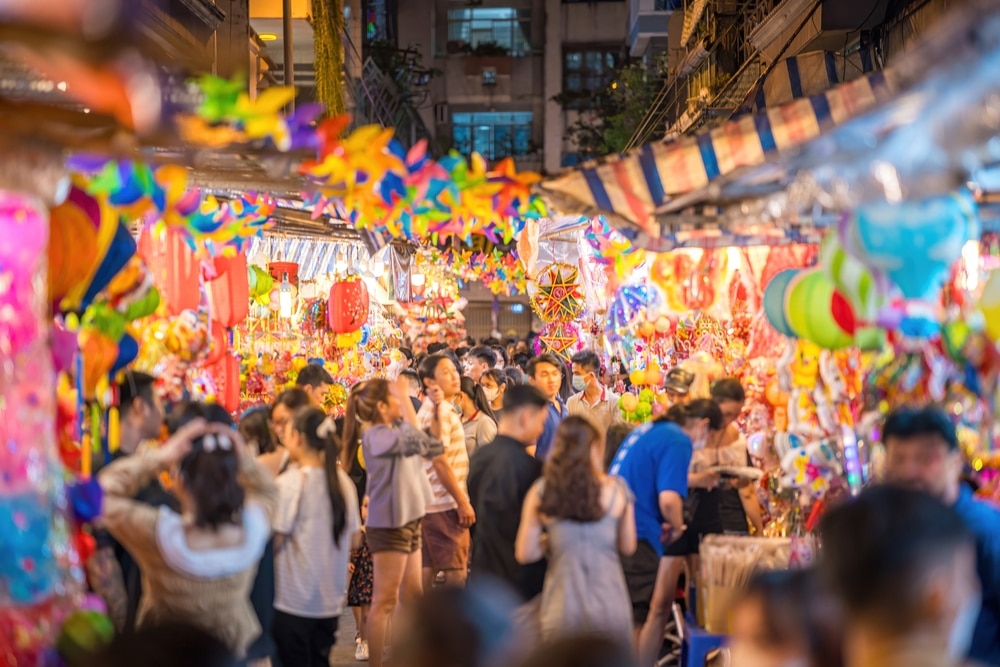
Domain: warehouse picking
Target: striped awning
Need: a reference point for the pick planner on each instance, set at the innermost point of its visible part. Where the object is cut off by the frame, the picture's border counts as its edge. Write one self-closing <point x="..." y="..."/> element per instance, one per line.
<point x="630" y="188"/>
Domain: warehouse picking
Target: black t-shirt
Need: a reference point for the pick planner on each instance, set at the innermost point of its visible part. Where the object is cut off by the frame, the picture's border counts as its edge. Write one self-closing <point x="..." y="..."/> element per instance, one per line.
<point x="500" y="475"/>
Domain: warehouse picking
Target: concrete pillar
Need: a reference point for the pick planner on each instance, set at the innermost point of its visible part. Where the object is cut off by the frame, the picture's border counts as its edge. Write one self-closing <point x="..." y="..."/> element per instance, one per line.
<point x="233" y="38"/>
<point x="552" y="86"/>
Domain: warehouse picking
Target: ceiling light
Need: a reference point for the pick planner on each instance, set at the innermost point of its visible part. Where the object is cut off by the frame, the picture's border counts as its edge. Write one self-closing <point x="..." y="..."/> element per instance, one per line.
<point x="268" y="37"/>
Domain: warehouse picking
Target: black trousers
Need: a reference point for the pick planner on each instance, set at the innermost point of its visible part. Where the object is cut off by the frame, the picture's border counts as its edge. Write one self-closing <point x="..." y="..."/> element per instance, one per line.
<point x="303" y="642"/>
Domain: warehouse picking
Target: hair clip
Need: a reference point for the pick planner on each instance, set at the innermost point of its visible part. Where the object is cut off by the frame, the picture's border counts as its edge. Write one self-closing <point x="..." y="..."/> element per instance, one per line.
<point x="326" y="428"/>
<point x="224" y="441"/>
<point x="208" y="443"/>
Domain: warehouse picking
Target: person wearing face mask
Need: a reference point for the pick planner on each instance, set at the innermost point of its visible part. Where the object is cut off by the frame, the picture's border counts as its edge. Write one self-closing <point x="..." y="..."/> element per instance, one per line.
<point x="785" y="618"/>
<point x="902" y="565"/>
<point x="494" y="384"/>
<point x="654" y="461"/>
<point x="922" y="453"/>
<point x="592" y="399"/>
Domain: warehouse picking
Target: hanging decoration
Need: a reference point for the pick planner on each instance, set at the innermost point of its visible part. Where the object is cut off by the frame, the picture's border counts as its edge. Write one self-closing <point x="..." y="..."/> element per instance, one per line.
<point x="556" y="293"/>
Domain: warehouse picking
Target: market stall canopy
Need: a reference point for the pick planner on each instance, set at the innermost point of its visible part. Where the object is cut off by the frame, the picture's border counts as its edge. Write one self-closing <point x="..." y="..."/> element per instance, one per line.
<point x="953" y="70"/>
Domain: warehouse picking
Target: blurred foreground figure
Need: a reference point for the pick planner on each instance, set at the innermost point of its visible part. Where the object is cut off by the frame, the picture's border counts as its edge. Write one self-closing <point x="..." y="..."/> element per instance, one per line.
<point x="903" y="565"/>
<point x="786" y="618"/>
<point x="582" y="651"/>
<point x="461" y="627"/>
<point x="166" y="645"/>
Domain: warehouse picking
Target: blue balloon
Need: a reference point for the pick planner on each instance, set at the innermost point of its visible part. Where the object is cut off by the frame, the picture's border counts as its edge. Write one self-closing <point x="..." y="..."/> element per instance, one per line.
<point x="366" y="332"/>
<point x="914" y="243"/>
<point x="774" y="301"/>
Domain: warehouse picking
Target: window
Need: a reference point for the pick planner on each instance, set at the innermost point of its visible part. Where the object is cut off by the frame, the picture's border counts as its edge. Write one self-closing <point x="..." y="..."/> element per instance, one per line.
<point x="587" y="73"/>
<point x="509" y="29"/>
<point x="494" y="134"/>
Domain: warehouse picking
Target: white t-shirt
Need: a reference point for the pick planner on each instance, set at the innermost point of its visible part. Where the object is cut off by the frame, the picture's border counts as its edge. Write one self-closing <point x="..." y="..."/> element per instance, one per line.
<point x="310" y="569"/>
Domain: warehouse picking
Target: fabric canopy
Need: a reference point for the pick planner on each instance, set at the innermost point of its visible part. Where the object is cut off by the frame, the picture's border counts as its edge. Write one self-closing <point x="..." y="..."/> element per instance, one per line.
<point x="630" y="188"/>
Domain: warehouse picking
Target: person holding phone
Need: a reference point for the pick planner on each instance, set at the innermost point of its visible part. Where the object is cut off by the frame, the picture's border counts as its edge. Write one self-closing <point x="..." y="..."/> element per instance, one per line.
<point x="446" y="538"/>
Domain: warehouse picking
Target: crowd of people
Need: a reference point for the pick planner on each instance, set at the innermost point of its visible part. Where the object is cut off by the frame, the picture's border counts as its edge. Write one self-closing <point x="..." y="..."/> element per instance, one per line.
<point x="486" y="507"/>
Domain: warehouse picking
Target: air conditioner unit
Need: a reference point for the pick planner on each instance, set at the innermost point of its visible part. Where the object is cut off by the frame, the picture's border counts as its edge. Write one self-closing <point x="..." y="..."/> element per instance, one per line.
<point x="441" y="115"/>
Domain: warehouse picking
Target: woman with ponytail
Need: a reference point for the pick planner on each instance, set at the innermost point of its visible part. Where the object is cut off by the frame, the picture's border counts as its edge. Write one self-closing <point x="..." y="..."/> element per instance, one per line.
<point x="316" y="522"/>
<point x="381" y="419"/>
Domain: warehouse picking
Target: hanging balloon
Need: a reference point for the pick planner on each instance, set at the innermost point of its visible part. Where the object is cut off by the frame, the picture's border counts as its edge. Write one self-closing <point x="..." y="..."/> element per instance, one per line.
<point x="774" y="301"/>
<point x="809" y="310"/>
<point x="229" y="292"/>
<point x="852" y="278"/>
<point x="989" y="306"/>
<point x="175" y="268"/>
<point x="348" y="306"/>
<point x="914" y="243"/>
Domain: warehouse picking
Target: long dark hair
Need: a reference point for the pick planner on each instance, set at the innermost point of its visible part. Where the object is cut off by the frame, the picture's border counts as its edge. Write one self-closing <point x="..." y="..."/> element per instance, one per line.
<point x="572" y="490"/>
<point x="478" y="397"/>
<point x="211" y="476"/>
<point x="320" y="435"/>
<point x="362" y="407"/>
<point x="255" y="427"/>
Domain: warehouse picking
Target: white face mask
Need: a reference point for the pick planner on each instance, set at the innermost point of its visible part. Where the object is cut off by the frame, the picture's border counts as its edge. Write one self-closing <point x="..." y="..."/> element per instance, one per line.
<point x="490" y="393"/>
<point x="964" y="626"/>
<point x="699" y="438"/>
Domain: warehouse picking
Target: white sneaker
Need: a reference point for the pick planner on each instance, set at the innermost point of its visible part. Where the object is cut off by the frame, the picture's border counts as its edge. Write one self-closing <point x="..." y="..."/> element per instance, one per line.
<point x="361" y="652"/>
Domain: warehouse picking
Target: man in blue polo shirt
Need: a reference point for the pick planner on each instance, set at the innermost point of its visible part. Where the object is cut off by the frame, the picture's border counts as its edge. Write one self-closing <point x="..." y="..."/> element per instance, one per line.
<point x="922" y="453"/>
<point x="545" y="373"/>
<point x="654" y="460"/>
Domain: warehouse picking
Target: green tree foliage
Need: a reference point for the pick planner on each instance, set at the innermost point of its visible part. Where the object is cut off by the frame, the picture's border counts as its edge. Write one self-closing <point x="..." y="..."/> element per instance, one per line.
<point x="608" y="121"/>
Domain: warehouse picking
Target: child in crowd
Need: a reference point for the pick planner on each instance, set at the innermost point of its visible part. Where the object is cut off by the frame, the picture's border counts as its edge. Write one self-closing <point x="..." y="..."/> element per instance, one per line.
<point x="359" y="593"/>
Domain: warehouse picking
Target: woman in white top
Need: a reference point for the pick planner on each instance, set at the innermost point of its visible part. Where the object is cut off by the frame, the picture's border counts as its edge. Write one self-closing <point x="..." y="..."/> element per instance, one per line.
<point x="478" y="422"/>
<point x="316" y="522"/>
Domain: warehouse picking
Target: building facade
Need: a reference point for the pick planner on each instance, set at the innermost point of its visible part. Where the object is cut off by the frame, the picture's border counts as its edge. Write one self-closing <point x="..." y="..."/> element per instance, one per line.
<point x="499" y="64"/>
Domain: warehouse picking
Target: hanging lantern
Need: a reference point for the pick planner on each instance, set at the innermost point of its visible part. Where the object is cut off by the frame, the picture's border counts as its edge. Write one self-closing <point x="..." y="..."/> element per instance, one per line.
<point x="347" y="309"/>
<point x="175" y="268"/>
<point x="229" y="292"/>
<point x="278" y="269"/>
<point x="219" y="343"/>
<point x="226" y="376"/>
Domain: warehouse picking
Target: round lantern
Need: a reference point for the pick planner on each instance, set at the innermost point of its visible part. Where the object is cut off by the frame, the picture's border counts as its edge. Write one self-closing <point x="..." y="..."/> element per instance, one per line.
<point x="347" y="309"/>
<point x="226" y="376"/>
<point x="816" y="312"/>
<point x="219" y="343"/>
<point x="175" y="268"/>
<point x="229" y="292"/>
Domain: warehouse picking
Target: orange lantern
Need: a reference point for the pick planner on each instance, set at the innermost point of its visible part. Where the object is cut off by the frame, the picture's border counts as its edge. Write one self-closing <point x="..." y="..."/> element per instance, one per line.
<point x="99" y="354"/>
<point x="72" y="245"/>
<point x="176" y="270"/>
<point x="347" y="308"/>
<point x="219" y="343"/>
<point x="229" y="292"/>
<point x="226" y="375"/>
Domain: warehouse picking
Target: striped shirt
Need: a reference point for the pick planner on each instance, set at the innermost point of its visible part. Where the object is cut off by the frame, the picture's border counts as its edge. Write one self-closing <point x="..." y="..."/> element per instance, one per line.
<point x="310" y="567"/>
<point x="455" y="453"/>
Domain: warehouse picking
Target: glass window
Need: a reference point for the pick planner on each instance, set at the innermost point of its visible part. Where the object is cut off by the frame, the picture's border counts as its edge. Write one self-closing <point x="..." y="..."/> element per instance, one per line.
<point x="504" y="27"/>
<point x="588" y="71"/>
<point x="494" y="134"/>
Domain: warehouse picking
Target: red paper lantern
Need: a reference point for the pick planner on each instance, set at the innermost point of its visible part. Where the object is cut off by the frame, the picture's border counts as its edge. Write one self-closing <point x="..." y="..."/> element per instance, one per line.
<point x="226" y="376"/>
<point x="347" y="309"/>
<point x="176" y="270"/>
<point x="229" y="291"/>
<point x="219" y="343"/>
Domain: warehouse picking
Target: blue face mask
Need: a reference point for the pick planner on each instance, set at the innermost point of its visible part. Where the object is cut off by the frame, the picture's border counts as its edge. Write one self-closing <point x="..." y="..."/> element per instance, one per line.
<point x="964" y="626"/>
<point x="579" y="383"/>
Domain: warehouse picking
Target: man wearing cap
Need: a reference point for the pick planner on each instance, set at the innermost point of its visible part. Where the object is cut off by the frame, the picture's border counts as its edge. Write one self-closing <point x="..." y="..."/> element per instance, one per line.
<point x="678" y="385"/>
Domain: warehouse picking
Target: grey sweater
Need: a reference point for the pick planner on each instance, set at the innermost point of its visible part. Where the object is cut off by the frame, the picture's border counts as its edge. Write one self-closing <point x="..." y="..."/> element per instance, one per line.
<point x="398" y="488"/>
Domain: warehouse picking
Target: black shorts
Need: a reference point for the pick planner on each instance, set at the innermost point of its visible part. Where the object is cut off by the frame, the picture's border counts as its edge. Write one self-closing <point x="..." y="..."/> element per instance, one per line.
<point x="640" y="574"/>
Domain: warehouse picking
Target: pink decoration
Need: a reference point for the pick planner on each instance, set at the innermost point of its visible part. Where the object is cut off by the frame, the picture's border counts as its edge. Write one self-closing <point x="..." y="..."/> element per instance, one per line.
<point x="174" y="267"/>
<point x="229" y="291"/>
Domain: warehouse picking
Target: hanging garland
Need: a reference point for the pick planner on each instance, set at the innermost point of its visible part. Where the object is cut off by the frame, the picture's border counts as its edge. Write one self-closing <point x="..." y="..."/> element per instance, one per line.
<point x="328" y="54"/>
